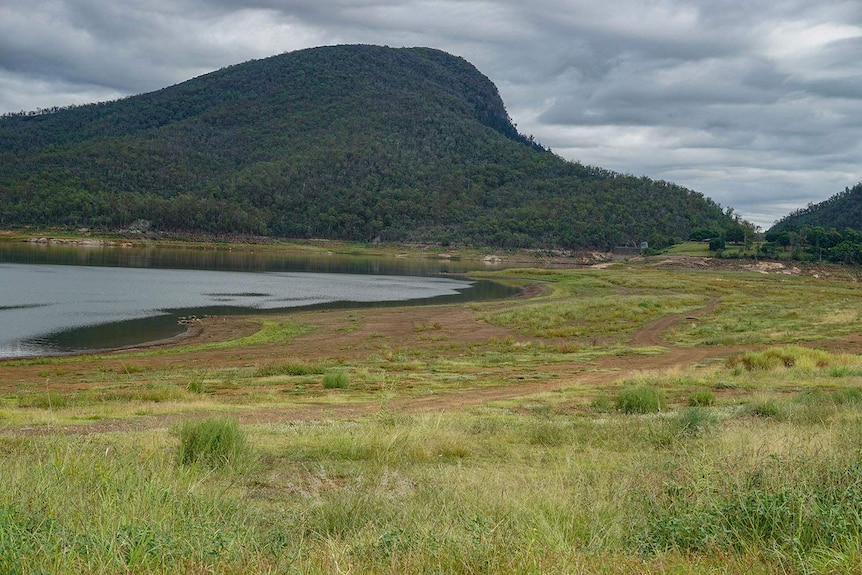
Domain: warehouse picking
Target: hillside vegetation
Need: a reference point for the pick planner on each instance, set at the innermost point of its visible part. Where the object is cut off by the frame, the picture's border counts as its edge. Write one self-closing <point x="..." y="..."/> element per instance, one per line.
<point x="342" y="142"/>
<point x="841" y="211"/>
<point x="830" y="230"/>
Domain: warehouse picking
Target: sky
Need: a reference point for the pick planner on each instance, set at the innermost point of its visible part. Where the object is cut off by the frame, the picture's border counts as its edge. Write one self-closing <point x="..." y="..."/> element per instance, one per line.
<point x="757" y="104"/>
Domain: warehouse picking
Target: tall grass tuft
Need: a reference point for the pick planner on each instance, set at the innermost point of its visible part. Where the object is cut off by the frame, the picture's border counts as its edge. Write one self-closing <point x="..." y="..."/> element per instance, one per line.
<point x="795" y="513"/>
<point x="767" y="407"/>
<point x="849" y="395"/>
<point x="701" y="398"/>
<point x="780" y="357"/>
<point x="695" y="421"/>
<point x="335" y="380"/>
<point x="640" y="399"/>
<point x="214" y="442"/>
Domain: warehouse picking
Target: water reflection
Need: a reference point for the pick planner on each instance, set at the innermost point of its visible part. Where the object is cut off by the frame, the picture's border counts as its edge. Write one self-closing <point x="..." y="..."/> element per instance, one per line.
<point x="88" y="303"/>
<point x="215" y="258"/>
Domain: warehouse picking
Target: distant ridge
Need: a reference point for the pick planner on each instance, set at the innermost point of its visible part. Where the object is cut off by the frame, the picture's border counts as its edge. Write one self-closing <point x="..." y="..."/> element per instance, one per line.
<point x="343" y="142"/>
<point x="841" y="211"/>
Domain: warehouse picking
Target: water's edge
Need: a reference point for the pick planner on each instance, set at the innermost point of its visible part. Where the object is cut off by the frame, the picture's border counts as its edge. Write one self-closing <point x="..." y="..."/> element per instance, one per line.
<point x="156" y="322"/>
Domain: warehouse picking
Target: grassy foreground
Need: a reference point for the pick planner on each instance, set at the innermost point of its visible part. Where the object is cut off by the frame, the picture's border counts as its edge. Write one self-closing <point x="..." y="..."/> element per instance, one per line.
<point x="619" y="457"/>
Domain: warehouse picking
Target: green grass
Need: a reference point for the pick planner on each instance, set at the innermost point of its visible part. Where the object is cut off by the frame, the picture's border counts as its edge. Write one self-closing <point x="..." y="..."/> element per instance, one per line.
<point x="639" y="399"/>
<point x="700" y="249"/>
<point x="701" y="398"/>
<point x="213" y="442"/>
<point x="492" y="492"/>
<point x="746" y="465"/>
<point x="695" y="421"/>
<point x="595" y="316"/>
<point x="803" y="516"/>
<point x="335" y="380"/>
<point x="274" y="369"/>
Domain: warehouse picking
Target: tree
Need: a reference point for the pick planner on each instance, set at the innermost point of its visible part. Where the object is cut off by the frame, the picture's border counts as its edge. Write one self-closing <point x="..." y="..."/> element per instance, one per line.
<point x="717" y="244"/>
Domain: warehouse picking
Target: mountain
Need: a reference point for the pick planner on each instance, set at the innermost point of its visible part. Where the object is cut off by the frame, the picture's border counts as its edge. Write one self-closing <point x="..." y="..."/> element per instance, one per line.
<point x="344" y="142"/>
<point x="841" y="211"/>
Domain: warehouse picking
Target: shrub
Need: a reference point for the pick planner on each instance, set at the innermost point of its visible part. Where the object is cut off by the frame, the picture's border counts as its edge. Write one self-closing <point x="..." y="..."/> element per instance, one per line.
<point x="335" y="380"/>
<point x="639" y="399"/>
<point x="701" y="398"/>
<point x="214" y="442"/>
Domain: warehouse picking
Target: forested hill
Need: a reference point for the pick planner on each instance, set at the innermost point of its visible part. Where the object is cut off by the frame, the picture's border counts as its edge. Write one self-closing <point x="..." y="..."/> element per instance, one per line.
<point x="841" y="211"/>
<point x="346" y="142"/>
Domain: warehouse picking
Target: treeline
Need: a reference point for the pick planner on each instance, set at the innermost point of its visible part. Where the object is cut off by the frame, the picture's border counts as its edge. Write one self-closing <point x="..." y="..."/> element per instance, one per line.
<point x="815" y="243"/>
<point x="344" y="142"/>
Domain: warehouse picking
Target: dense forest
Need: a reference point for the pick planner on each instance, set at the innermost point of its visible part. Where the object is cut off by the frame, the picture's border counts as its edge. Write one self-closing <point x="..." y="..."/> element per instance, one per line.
<point x="830" y="230"/>
<point x="841" y="211"/>
<point x="343" y="142"/>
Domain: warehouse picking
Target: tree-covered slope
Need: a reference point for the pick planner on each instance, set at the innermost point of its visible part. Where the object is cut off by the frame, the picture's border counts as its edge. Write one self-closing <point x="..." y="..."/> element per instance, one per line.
<point x="841" y="211"/>
<point x="348" y="142"/>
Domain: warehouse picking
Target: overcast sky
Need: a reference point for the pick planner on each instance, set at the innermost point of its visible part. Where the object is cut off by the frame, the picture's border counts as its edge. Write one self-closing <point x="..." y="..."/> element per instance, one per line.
<point x="755" y="103"/>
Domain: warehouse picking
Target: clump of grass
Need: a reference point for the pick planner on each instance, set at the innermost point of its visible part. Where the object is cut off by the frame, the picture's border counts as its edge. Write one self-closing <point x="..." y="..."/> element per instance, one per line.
<point x="725" y="385"/>
<point x="813" y="406"/>
<point x="549" y="433"/>
<point x="798" y="514"/>
<point x="274" y="369"/>
<point x="335" y="380"/>
<point x="701" y="398"/>
<point x="844" y="371"/>
<point x="777" y="357"/>
<point x="694" y="421"/>
<point x="602" y="404"/>
<point x="196" y="386"/>
<point x="46" y="400"/>
<point x="849" y="395"/>
<point x="813" y="397"/>
<point x="639" y="399"/>
<point x="149" y="393"/>
<point x="767" y="407"/>
<point x="214" y="442"/>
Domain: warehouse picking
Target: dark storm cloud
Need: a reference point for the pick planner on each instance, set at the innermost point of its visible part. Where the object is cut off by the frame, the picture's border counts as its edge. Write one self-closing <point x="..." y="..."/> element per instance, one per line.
<point x="757" y="104"/>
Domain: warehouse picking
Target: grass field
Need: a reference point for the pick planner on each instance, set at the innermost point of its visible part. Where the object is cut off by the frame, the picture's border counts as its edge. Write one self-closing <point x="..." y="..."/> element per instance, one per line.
<point x="626" y="420"/>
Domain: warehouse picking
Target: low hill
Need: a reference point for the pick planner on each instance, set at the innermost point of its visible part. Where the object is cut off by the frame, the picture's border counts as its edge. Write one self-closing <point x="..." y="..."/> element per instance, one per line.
<point x="343" y="142"/>
<point x="841" y="211"/>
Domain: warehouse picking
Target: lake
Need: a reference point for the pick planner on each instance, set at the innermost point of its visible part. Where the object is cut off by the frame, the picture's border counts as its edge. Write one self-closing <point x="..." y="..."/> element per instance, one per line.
<point x="63" y="299"/>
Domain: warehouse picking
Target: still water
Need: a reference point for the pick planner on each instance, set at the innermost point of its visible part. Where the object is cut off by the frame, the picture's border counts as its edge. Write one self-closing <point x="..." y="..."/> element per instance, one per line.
<point x="60" y="299"/>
